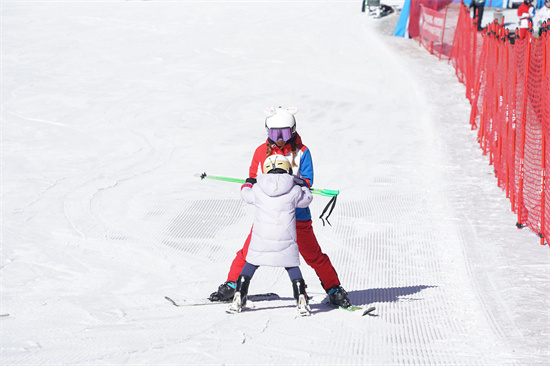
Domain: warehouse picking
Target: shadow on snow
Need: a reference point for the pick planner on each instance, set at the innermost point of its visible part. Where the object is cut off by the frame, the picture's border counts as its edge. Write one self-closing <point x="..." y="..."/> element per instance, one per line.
<point x="358" y="297"/>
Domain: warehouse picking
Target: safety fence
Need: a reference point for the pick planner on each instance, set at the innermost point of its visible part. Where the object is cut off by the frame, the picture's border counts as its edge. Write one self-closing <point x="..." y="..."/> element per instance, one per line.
<point x="508" y="84"/>
<point x="433" y="23"/>
<point x="436" y="26"/>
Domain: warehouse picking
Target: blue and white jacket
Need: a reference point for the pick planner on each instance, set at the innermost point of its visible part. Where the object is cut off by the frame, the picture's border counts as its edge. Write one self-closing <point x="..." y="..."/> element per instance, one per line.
<point x="302" y="166"/>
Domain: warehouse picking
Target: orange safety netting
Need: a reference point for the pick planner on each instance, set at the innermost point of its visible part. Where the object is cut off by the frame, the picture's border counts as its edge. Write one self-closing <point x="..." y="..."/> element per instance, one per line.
<point x="508" y="84"/>
<point x="448" y="11"/>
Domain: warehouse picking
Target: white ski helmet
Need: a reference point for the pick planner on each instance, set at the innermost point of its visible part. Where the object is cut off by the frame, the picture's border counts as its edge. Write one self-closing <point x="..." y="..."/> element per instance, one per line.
<point x="280" y="122"/>
<point x="277" y="164"/>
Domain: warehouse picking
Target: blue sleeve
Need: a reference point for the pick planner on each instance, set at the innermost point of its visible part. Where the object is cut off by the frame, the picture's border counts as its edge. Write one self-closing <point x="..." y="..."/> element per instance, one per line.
<point x="306" y="167"/>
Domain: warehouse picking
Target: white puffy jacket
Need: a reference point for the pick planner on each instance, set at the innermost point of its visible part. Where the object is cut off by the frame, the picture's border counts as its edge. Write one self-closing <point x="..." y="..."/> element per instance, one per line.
<point x="273" y="241"/>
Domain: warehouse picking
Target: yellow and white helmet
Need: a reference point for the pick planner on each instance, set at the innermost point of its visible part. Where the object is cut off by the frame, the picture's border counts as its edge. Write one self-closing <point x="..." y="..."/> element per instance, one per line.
<point x="277" y="164"/>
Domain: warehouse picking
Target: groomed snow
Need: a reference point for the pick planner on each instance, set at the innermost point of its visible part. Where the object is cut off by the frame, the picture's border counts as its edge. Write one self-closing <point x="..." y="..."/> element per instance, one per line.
<point x="110" y="107"/>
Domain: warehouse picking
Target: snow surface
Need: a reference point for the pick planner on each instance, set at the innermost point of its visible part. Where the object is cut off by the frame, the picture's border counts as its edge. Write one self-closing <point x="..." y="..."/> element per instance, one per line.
<point x="110" y="107"/>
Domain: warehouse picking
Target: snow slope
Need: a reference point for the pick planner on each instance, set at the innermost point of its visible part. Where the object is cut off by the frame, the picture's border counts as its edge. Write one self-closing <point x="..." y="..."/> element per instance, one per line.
<point x="110" y="107"/>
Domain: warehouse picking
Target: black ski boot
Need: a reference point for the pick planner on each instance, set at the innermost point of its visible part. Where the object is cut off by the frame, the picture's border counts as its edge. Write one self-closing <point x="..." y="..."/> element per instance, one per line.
<point x="225" y="292"/>
<point x="302" y="301"/>
<point x="241" y="295"/>
<point x="338" y="296"/>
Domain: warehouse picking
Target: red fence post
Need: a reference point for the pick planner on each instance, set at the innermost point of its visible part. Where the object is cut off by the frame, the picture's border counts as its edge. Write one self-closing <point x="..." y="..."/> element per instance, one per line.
<point x="542" y="191"/>
<point x="524" y="132"/>
<point x="545" y="77"/>
<point x="443" y="33"/>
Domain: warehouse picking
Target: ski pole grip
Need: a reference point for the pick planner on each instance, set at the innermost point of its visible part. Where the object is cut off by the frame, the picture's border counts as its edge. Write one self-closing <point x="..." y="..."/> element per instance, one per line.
<point x="326" y="192"/>
<point x="329" y="192"/>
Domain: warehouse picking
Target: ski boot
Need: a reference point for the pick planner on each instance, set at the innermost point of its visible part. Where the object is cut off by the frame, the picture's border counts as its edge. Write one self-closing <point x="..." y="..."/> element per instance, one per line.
<point x="302" y="301"/>
<point x="225" y="292"/>
<point x="338" y="296"/>
<point x="241" y="295"/>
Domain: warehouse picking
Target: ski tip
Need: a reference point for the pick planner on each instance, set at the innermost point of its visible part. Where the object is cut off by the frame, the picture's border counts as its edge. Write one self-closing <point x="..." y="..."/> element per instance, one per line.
<point x="171" y="300"/>
<point x="351" y="308"/>
<point x="369" y="310"/>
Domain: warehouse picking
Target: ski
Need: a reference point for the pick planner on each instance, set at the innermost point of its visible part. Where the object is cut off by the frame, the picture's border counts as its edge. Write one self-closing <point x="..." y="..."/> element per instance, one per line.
<point x="381" y="11"/>
<point x="352" y="308"/>
<point x="383" y="14"/>
<point x="368" y="310"/>
<point x="203" y="302"/>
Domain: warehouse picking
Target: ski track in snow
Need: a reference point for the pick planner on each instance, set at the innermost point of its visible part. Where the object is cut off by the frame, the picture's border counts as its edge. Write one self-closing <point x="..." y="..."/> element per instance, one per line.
<point x="103" y="218"/>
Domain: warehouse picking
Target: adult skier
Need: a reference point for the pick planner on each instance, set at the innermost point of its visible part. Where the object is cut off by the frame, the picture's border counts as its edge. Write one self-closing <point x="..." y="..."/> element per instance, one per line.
<point x="273" y="241"/>
<point x="526" y="11"/>
<point x="282" y="139"/>
<point x="479" y="7"/>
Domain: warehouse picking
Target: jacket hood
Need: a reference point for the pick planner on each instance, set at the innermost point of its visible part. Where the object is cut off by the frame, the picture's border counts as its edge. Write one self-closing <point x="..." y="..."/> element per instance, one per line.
<point x="275" y="185"/>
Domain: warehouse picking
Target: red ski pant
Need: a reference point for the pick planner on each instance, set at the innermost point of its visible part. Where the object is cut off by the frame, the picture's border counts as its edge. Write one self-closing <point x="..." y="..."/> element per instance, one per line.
<point x="522" y="33"/>
<point x="309" y="249"/>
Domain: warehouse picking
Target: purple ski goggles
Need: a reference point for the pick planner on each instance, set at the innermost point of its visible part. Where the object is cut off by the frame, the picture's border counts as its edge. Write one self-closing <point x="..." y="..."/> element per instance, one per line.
<point x="279" y="133"/>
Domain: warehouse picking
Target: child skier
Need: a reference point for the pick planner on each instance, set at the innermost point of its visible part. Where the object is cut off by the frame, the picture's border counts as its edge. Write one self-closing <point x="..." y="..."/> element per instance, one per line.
<point x="273" y="241"/>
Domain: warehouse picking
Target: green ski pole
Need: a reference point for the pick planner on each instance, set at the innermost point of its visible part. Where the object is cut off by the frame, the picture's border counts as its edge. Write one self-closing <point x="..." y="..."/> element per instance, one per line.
<point x="322" y="192"/>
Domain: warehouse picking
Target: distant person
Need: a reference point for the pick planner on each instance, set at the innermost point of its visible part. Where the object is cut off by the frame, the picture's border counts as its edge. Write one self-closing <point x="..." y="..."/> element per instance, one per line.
<point x="479" y="7"/>
<point x="542" y="15"/>
<point x="526" y="11"/>
<point x="273" y="242"/>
